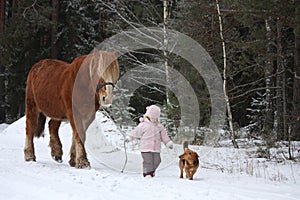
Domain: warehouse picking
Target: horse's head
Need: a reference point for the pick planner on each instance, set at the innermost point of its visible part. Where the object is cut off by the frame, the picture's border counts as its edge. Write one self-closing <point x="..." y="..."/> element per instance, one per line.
<point x="104" y="92"/>
<point x="106" y="68"/>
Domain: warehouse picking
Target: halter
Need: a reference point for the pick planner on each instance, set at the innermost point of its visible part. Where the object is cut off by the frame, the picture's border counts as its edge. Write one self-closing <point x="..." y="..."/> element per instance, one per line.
<point x="98" y="87"/>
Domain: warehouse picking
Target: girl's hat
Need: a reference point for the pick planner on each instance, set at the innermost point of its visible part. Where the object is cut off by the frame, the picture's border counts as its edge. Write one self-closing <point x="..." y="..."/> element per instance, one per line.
<point x="153" y="111"/>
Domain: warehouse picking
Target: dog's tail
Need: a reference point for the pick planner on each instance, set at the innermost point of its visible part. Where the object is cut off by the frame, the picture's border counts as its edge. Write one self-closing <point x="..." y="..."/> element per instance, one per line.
<point x="185" y="145"/>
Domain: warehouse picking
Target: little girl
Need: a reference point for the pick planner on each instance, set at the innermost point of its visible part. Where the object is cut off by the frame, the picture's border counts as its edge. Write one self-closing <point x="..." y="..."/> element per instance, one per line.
<point x="151" y="133"/>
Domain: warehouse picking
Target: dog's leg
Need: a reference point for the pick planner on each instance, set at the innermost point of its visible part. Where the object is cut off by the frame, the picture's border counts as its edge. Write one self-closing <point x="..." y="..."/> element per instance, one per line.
<point x="192" y="174"/>
<point x="181" y="173"/>
<point x="181" y="168"/>
<point x="187" y="172"/>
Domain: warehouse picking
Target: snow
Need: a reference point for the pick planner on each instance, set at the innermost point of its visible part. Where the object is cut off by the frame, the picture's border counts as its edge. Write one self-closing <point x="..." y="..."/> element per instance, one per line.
<point x="224" y="173"/>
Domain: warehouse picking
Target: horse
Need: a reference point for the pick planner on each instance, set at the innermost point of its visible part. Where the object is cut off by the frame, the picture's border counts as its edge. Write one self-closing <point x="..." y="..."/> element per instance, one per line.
<point x="68" y="91"/>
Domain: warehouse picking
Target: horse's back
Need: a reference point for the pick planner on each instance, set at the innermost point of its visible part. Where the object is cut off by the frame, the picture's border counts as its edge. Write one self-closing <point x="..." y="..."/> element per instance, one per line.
<point x="47" y="66"/>
<point x="45" y="83"/>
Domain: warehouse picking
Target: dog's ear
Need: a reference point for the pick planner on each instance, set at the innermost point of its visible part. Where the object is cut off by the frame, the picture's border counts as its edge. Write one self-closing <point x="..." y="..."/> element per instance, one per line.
<point x="196" y="162"/>
<point x="181" y="156"/>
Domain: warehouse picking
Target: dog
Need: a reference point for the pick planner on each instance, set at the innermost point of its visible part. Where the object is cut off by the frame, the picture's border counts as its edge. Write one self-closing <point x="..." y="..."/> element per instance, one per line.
<point x="189" y="162"/>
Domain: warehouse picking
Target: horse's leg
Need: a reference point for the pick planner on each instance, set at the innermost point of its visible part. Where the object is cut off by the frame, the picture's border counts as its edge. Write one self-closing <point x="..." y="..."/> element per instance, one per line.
<point x="31" y="128"/>
<point x="72" y="160"/>
<point x="77" y="152"/>
<point x="55" y="144"/>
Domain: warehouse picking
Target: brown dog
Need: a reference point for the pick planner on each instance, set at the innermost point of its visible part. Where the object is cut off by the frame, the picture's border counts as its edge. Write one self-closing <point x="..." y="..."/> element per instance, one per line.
<point x="188" y="162"/>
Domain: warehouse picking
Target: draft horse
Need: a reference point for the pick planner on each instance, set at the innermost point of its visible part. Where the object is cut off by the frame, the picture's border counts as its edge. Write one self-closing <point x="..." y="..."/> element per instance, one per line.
<point x="68" y="91"/>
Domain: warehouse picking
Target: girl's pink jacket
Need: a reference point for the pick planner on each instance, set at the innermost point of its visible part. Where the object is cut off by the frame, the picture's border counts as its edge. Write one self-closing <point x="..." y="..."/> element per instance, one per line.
<point x="151" y="136"/>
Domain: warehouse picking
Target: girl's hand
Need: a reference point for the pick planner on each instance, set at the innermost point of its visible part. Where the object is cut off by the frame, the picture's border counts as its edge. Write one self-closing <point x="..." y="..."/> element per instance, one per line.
<point x="170" y="145"/>
<point x="127" y="139"/>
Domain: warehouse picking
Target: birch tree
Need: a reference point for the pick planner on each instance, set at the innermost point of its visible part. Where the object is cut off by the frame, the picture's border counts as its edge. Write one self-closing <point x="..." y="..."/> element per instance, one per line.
<point x="268" y="129"/>
<point x="166" y="56"/>
<point x="229" y="113"/>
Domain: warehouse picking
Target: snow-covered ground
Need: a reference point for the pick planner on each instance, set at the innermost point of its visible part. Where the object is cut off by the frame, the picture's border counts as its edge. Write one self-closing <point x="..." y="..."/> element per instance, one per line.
<point x="225" y="173"/>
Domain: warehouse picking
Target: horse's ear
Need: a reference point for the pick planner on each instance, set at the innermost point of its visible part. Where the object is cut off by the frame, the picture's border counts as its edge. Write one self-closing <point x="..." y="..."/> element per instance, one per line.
<point x="115" y="53"/>
<point x="101" y="61"/>
<point x="95" y="51"/>
<point x="95" y="68"/>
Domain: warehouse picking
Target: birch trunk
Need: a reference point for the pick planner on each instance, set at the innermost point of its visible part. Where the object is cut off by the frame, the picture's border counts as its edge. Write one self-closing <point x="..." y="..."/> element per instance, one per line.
<point x="166" y="62"/>
<point x="229" y="113"/>
<point x="269" y="114"/>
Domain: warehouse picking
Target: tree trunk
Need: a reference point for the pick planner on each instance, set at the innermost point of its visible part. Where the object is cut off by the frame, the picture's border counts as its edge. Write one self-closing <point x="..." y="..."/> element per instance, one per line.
<point x="269" y="114"/>
<point x="2" y="15"/>
<point x="2" y="68"/>
<point x="2" y="93"/>
<point x="296" y="89"/>
<point x="280" y="91"/>
<point x="166" y="54"/>
<point x="54" y="19"/>
<point x="102" y="24"/>
<point x="232" y="132"/>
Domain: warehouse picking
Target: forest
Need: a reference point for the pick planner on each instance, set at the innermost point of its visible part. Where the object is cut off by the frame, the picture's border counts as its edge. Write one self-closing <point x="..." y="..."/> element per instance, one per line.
<point x="261" y="38"/>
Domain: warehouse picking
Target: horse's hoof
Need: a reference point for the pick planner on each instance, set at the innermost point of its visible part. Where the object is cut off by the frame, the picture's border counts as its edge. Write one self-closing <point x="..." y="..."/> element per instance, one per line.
<point x="83" y="165"/>
<point x="30" y="159"/>
<point x="57" y="159"/>
<point x="72" y="163"/>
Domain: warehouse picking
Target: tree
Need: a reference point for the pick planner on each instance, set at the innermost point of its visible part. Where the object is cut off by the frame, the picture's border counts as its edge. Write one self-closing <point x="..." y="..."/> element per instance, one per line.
<point x="121" y="112"/>
<point x="260" y="59"/>
<point x="296" y="91"/>
<point x="166" y="54"/>
<point x="2" y="68"/>
<point x="229" y="113"/>
<point x="21" y="43"/>
<point x="281" y="99"/>
<point x="2" y="14"/>
<point x="54" y="20"/>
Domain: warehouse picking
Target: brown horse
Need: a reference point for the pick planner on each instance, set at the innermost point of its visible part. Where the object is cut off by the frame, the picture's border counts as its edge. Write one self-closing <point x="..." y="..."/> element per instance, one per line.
<point x="68" y="91"/>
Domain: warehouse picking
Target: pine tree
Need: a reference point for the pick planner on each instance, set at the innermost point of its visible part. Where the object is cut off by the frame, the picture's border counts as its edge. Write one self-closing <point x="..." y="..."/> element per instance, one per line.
<point x="120" y="110"/>
<point x="21" y="47"/>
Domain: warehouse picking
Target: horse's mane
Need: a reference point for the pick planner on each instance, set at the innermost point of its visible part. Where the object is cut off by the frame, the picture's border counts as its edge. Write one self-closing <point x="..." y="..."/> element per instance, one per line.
<point x="109" y="62"/>
<point x="113" y="69"/>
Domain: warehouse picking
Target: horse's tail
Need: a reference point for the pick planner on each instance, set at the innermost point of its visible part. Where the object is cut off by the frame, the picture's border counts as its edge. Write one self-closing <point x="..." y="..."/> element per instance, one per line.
<point x="41" y="125"/>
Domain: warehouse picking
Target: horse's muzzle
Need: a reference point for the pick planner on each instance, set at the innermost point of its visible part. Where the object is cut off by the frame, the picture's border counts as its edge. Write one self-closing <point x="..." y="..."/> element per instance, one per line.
<point x="103" y="105"/>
